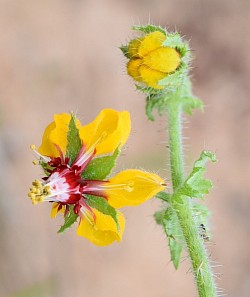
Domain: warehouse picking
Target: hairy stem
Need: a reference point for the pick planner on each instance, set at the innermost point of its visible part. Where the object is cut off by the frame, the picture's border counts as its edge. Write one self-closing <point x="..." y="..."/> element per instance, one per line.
<point x="183" y="208"/>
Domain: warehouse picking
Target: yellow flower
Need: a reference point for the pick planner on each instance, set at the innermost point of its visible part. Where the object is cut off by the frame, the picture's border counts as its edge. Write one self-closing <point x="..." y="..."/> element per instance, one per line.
<point x="93" y="200"/>
<point x="150" y="61"/>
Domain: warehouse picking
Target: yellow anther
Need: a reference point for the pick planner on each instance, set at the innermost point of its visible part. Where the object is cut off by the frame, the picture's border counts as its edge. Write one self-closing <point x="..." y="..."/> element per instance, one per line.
<point x="37" y="183"/>
<point x="36" y="198"/>
<point x="34" y="201"/>
<point x="46" y="190"/>
<point x="33" y="147"/>
<point x="38" y="191"/>
<point x="31" y="195"/>
<point x="40" y="198"/>
<point x="35" y="162"/>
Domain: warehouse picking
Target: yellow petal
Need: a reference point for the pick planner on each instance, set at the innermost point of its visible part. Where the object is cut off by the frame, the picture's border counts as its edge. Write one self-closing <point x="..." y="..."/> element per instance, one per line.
<point x="132" y="187"/>
<point x="133" y="47"/>
<point x="56" y="135"/>
<point x="164" y="59"/>
<point x="151" y="77"/>
<point x="54" y="210"/>
<point x="109" y="130"/>
<point x="133" y="69"/>
<point x="104" y="231"/>
<point x="151" y="42"/>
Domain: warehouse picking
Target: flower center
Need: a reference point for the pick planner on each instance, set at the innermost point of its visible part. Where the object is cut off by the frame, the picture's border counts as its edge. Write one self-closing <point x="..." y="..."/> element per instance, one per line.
<point x="63" y="185"/>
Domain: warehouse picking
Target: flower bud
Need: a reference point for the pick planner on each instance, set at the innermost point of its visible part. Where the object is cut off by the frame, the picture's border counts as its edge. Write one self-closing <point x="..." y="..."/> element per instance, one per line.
<point x="154" y="56"/>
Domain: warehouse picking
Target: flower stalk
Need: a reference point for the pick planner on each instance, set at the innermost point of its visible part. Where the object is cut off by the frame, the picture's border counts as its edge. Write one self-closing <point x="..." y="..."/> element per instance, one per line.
<point x="159" y="63"/>
<point x="182" y="205"/>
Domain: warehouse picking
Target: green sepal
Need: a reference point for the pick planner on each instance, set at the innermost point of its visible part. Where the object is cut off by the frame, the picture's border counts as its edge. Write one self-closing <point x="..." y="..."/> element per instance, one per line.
<point x="124" y="49"/>
<point x="100" y="168"/>
<point x="164" y="196"/>
<point x="196" y="186"/>
<point x="168" y="219"/>
<point x="102" y="205"/>
<point x="46" y="167"/>
<point x="155" y="102"/>
<point x="74" y="142"/>
<point x="174" y="81"/>
<point x="148" y="90"/>
<point x="174" y="40"/>
<point x="69" y="219"/>
<point x="149" y="29"/>
<point x="177" y="91"/>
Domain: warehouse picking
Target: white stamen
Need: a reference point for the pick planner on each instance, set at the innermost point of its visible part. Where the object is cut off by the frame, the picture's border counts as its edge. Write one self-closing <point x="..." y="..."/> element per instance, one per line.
<point x="86" y="155"/>
<point x="44" y="158"/>
<point x="129" y="187"/>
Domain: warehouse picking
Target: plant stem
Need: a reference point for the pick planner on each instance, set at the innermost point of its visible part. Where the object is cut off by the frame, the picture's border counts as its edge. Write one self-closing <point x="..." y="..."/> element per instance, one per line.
<point x="183" y="207"/>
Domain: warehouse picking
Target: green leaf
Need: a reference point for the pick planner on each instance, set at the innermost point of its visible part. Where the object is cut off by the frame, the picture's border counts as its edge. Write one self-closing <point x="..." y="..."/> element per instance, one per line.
<point x="201" y="214"/>
<point x="187" y="99"/>
<point x="196" y="185"/>
<point x="69" y="219"/>
<point x="159" y="215"/>
<point x="175" y="251"/>
<point x="174" y="234"/>
<point x="103" y="206"/>
<point x="164" y="196"/>
<point x="100" y="168"/>
<point x="74" y="141"/>
<point x="191" y="103"/>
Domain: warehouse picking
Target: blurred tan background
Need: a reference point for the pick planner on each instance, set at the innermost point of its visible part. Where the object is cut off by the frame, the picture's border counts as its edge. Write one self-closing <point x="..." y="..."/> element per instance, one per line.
<point x="60" y="56"/>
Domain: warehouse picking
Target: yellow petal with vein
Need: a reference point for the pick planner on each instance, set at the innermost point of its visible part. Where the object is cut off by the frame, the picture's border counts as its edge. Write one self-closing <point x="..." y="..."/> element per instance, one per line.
<point x="56" y="135"/>
<point x="164" y="59"/>
<point x="151" y="42"/>
<point x="109" y="130"/>
<point x="133" y="69"/>
<point x="104" y="231"/>
<point x="133" y="187"/>
<point x="133" y="47"/>
<point x="151" y="77"/>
